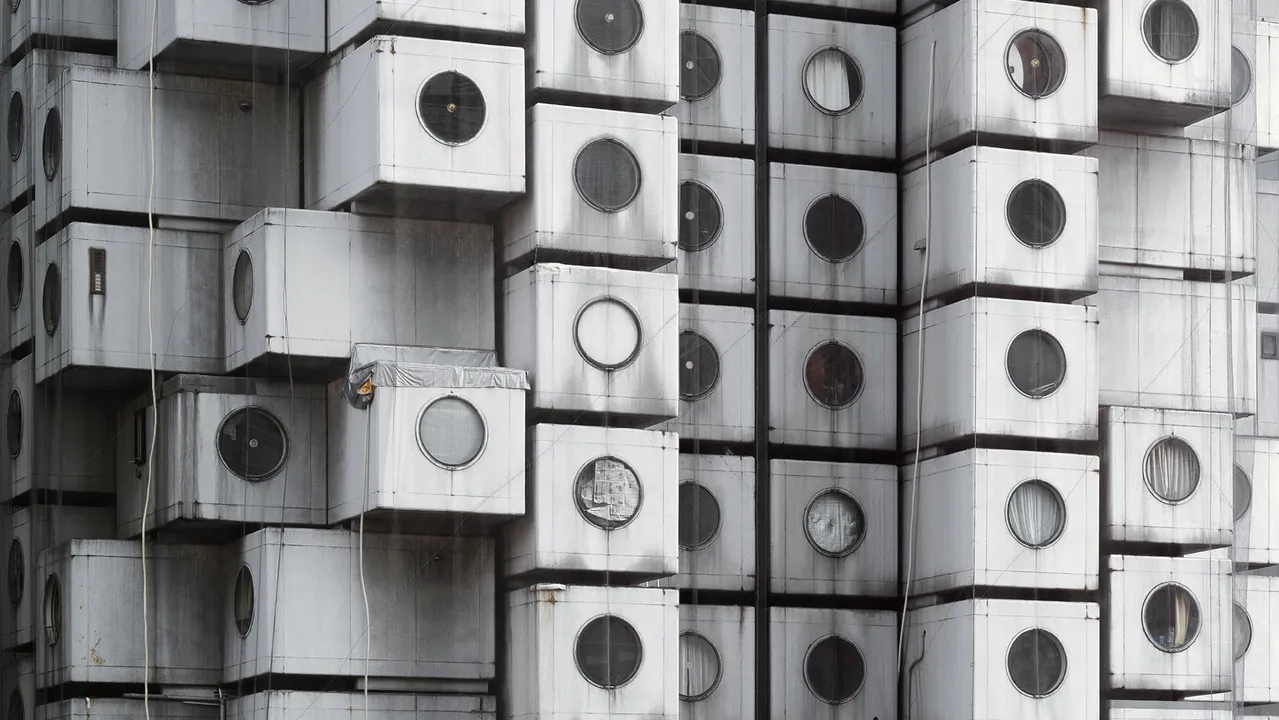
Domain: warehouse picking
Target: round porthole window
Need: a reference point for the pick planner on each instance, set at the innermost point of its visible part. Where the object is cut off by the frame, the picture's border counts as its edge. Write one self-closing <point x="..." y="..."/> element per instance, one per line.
<point x="17" y="125"/>
<point x="1036" y="364"/>
<point x="255" y="2"/>
<point x="834" y="670"/>
<point x="610" y="26"/>
<point x="51" y="299"/>
<point x="1171" y="617"/>
<point x="17" y="710"/>
<point x="833" y="81"/>
<point x="51" y="143"/>
<point x="700" y="217"/>
<point x="608" y="493"/>
<point x="452" y="108"/>
<point x="834" y="229"/>
<point x="242" y="603"/>
<point x="451" y="432"/>
<point x="242" y="286"/>
<point x="52" y="610"/>
<point x="15" y="275"/>
<point x="1037" y="663"/>
<point x="608" y="652"/>
<point x="13" y="424"/>
<point x="1243" y="493"/>
<point x="1242" y="631"/>
<point x="699" y="667"/>
<point x="1171" y="470"/>
<point x="607" y="333"/>
<point x="1240" y="76"/>
<point x="700" y="67"/>
<point x="699" y="516"/>
<point x="17" y="574"/>
<point x="1036" y="63"/>
<point x="1036" y="514"/>
<point x="253" y="443"/>
<point x="698" y="366"/>
<point x="833" y="375"/>
<point x="1171" y="30"/>
<point x="607" y="175"/>
<point x="834" y="523"/>
<point x="1036" y="213"/>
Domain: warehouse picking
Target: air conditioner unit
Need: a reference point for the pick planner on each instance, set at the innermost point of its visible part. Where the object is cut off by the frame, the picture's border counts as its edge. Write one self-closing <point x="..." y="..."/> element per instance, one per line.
<point x="833" y="380"/>
<point x="300" y="286"/>
<point x="1001" y="518"/>
<point x="231" y="451"/>
<point x="716" y="528"/>
<point x="717" y="223"/>
<point x="716" y="75"/>
<point x="293" y="704"/>
<point x="1169" y="344"/>
<point x="236" y="153"/>
<point x="834" y="87"/>
<point x="834" y="528"/>
<point x="1170" y="624"/>
<point x="1254" y="491"/>
<point x="25" y="533"/>
<point x="1165" y="62"/>
<point x="455" y="143"/>
<point x="248" y="38"/>
<point x="1003" y="69"/>
<point x="1166" y="476"/>
<point x="1029" y="369"/>
<point x="988" y="659"/>
<point x="833" y="234"/>
<point x="431" y="430"/>
<point x="1265" y="423"/>
<point x="1176" y="203"/>
<point x="1170" y="710"/>
<point x="596" y="341"/>
<point x="430" y="601"/>
<point x="110" y="296"/>
<point x="1254" y="612"/>
<point x="836" y="664"/>
<point x="603" y="185"/>
<point x="202" y="704"/>
<point x="716" y="662"/>
<point x="356" y="20"/>
<point x="1253" y="118"/>
<point x="1023" y="221"/>
<point x="601" y="501"/>
<point x="584" y="652"/>
<point x="18" y="686"/>
<point x="1266" y="278"/>
<point x="609" y="52"/>
<point x="17" y="283"/>
<point x="91" y="614"/>
<point x="90" y="22"/>
<point x="716" y="374"/>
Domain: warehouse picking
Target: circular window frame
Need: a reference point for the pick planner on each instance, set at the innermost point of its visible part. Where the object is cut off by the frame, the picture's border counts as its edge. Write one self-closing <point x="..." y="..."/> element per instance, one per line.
<point x="1065" y="661"/>
<point x="244" y="628"/>
<point x="16" y="290"/>
<point x="804" y="374"/>
<point x="16" y="580"/>
<point x="1065" y="363"/>
<point x="1065" y="73"/>
<point x="52" y="274"/>
<point x="719" y="58"/>
<point x="426" y="127"/>
<point x="639" y="645"/>
<point x="484" y="426"/>
<point x="1238" y="611"/>
<point x="719" y="668"/>
<point x="1190" y="640"/>
<point x="639" y="31"/>
<point x="1060" y="201"/>
<point x="1239" y="472"/>
<point x="51" y="144"/>
<point x="808" y="506"/>
<point x="639" y="503"/>
<point x="853" y="103"/>
<point x="809" y="683"/>
<point x="861" y="242"/>
<point x="639" y="328"/>
<point x="1141" y="30"/>
<point x="1061" y="502"/>
<point x="1148" y="481"/>
<point x="719" y="207"/>
<point x="284" y="433"/>
<point x="247" y="257"/>
<point x="16" y="100"/>
<point x="10" y="429"/>
<point x="1252" y="78"/>
<point x="719" y="368"/>
<point x="51" y="610"/>
<point x="719" y="517"/>
<point x="639" y="174"/>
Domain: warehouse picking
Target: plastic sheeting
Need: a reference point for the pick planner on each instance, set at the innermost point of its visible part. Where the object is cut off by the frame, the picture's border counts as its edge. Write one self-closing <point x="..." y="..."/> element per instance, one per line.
<point x="375" y="366"/>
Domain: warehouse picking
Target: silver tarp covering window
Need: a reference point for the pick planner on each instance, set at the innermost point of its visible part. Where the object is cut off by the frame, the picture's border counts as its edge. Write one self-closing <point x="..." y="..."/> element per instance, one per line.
<point x="375" y="366"/>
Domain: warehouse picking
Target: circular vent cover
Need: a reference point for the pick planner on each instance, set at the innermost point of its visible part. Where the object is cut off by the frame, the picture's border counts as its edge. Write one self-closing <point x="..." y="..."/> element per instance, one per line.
<point x="834" y="670"/>
<point x="253" y="443"/>
<point x="1036" y="213"/>
<point x="698" y="366"/>
<point x="700" y="67"/>
<point x="608" y="493"/>
<point x="1036" y="63"/>
<point x="835" y="523"/>
<point x="1171" y="30"/>
<point x="17" y="125"/>
<point x="1036" y="514"/>
<point x="51" y="299"/>
<point x="242" y="286"/>
<point x="1242" y="631"/>
<point x="452" y="108"/>
<point x="243" y="601"/>
<point x="833" y="81"/>
<point x="699" y="667"/>
<point x="51" y="143"/>
<point x="608" y="652"/>
<point x="1036" y="364"/>
<point x="834" y="229"/>
<point x="607" y="333"/>
<point x="699" y="516"/>
<point x="607" y="175"/>
<point x="610" y="26"/>
<point x="15" y="275"/>
<point x="17" y="576"/>
<point x="700" y="217"/>
<point x="833" y="375"/>
<point x="1171" y="617"/>
<point x="1240" y="76"/>
<point x="1037" y="663"/>
<point x="1171" y="470"/>
<point x="13" y="424"/>
<point x="451" y="432"/>
<point x="52" y="610"/>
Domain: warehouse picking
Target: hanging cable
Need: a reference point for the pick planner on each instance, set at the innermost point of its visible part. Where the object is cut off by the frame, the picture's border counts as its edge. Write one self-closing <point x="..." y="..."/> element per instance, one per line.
<point x="155" y="400"/>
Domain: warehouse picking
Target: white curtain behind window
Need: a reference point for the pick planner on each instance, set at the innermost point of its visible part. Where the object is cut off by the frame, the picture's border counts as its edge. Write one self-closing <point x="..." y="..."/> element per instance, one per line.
<point x="1172" y="470"/>
<point x="1036" y="513"/>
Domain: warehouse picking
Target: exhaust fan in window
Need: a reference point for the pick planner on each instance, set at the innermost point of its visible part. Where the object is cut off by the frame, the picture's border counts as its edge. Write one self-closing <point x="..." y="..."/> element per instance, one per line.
<point x="603" y="184"/>
<point x="350" y="20"/>
<point x="833" y="663"/>
<point x="716" y="75"/>
<point x="1028" y="520"/>
<point x="420" y="266"/>
<point x="1002" y="218"/>
<point x="602" y="501"/>
<point x="68" y="20"/>
<point x="1170" y="624"/>
<point x="716" y="210"/>
<point x="716" y="530"/>
<point x="596" y="340"/>
<point x="716" y="374"/>
<point x="438" y="431"/>
<point x="598" y="649"/>
<point x="1254" y="490"/>
<point x="833" y="86"/>
<point x="431" y="603"/>
<point x="716" y="661"/>
<point x="335" y="705"/>
<point x="833" y="234"/>
<point x="411" y="126"/>
<point x="1029" y="369"/>
<point x="1003" y="69"/>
